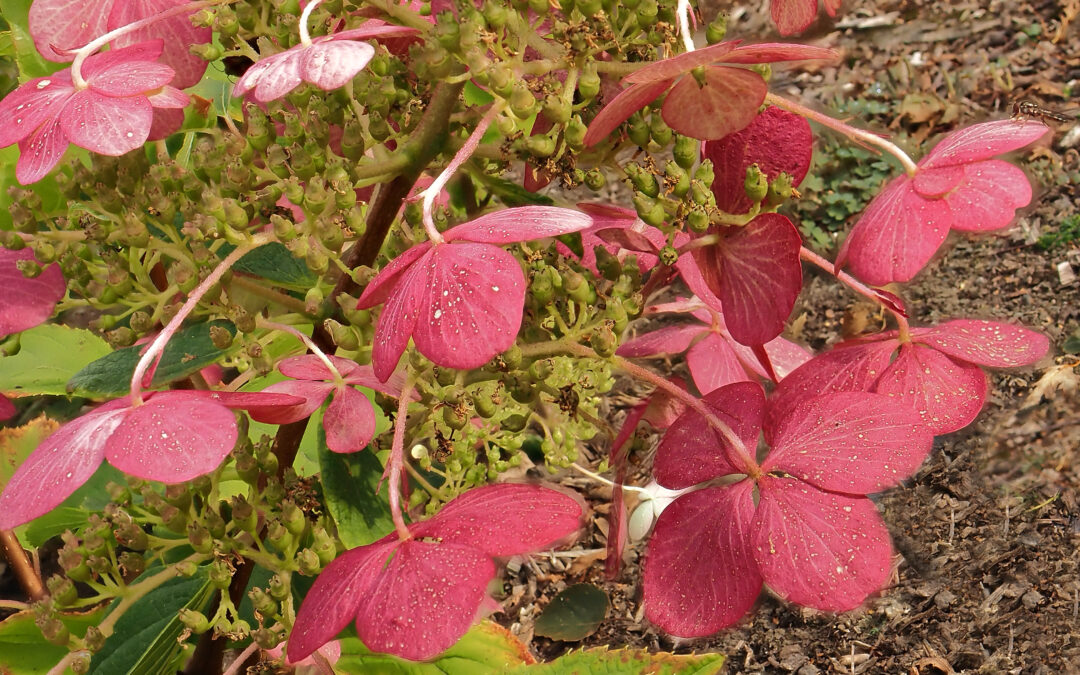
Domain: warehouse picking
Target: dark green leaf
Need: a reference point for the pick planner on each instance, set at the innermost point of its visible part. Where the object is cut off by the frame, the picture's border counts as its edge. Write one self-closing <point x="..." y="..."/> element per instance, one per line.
<point x="188" y="351"/>
<point x="573" y="614"/>
<point x="510" y="193"/>
<point x="275" y="262"/>
<point x="23" y="649"/>
<point x="49" y="355"/>
<point x="349" y="482"/>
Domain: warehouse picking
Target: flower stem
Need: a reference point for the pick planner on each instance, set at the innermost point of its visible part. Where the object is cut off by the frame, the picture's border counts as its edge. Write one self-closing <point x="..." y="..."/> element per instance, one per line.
<point x="683" y="10"/>
<point x="308" y="342"/>
<point x="845" y="129"/>
<point x="305" y="37"/>
<point x="855" y="285"/>
<point x="396" y="462"/>
<point x="158" y="345"/>
<point x="28" y="577"/>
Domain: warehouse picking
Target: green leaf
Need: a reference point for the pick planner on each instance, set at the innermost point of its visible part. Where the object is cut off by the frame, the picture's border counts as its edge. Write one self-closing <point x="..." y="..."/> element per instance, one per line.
<point x="72" y="513"/>
<point x="276" y="263"/>
<point x="49" y="355"/>
<point x="24" y="651"/>
<point x="349" y="482"/>
<point x="487" y="648"/>
<point x="31" y="63"/>
<point x="17" y="443"/>
<point x="573" y="242"/>
<point x="475" y="96"/>
<point x="573" y="614"/>
<point x="510" y="193"/>
<point x="188" y="351"/>
<point x="601" y="660"/>
<point x="145" y="638"/>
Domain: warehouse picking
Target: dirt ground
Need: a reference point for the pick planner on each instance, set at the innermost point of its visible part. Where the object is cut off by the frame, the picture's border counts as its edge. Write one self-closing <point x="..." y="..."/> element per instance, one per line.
<point x="987" y="533"/>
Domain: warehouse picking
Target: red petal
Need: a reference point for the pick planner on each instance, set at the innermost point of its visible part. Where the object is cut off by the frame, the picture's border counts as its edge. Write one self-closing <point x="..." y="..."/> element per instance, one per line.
<point x="713" y="363"/>
<point x="167" y="121"/>
<point x="107" y="125"/>
<point x="424" y="600"/>
<point x="620" y="108"/>
<point x="349" y="421"/>
<point x="7" y="410"/>
<point x="728" y="102"/>
<point x="786" y="356"/>
<point x="172" y="437"/>
<point x="819" y="549"/>
<point x="252" y="401"/>
<point x="983" y="141"/>
<point x="33" y="104"/>
<point x="176" y="32"/>
<point x="756" y="272"/>
<point x="947" y="394"/>
<point x="524" y="223"/>
<point x="386" y="281"/>
<point x="273" y="76"/>
<point x="399" y="315"/>
<point x="793" y="16"/>
<point x="935" y="183"/>
<point x="666" y="340"/>
<point x="896" y="236"/>
<point x="669" y="69"/>
<point x="26" y="302"/>
<point x="692" y="452"/>
<point x="987" y="343"/>
<point x="40" y="152"/>
<point x="132" y="78"/>
<point x="60" y="464"/>
<point x="169" y="98"/>
<point x="777" y="141"/>
<point x="102" y="62"/>
<point x="988" y="196"/>
<point x="335" y="596"/>
<point x="371" y="29"/>
<point x="331" y="64"/>
<point x="312" y="393"/>
<point x="771" y="52"/>
<point x="311" y="367"/>
<point x="505" y="519"/>
<point x="700" y="575"/>
<point x="472" y="306"/>
<point x="67" y="24"/>
<point x="851" y="442"/>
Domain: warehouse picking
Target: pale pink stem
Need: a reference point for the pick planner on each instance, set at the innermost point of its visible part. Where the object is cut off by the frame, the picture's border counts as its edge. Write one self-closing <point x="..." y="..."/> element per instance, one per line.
<point x="683" y="11"/>
<point x="308" y="342"/>
<point x="238" y="663"/>
<point x="305" y="37"/>
<point x="851" y="132"/>
<point x="440" y="182"/>
<point x="852" y="283"/>
<point x="89" y="48"/>
<point x="396" y="462"/>
<point x="158" y="345"/>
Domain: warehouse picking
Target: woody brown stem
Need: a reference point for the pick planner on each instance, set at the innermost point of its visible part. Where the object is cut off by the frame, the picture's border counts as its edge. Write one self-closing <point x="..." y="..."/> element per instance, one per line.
<point x="24" y="571"/>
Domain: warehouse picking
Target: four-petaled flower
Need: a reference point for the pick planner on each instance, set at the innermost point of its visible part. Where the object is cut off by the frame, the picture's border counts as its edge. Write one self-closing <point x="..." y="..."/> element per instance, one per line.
<point x="935" y="373"/>
<point x="111" y="115"/>
<point x="810" y="533"/>
<point x="707" y="104"/>
<point x="958" y="186"/>
<point x="414" y="598"/>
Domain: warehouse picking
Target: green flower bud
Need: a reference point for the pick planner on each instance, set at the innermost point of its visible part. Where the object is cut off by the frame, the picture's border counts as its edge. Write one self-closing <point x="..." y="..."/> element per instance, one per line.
<point x="294" y="519"/>
<point x="279" y="587"/>
<point x="701" y="195"/>
<point x="756" y="183"/>
<point x="594" y="179"/>
<point x="262" y="602"/>
<point x="186" y="568"/>
<point x="121" y="337"/>
<point x="132" y="563"/>
<point x="512" y="357"/>
<point x="638" y="130"/>
<point x="54" y="631"/>
<point x="541" y="287"/>
<point x="244" y="515"/>
<point x="132" y="536"/>
<point x="521" y="389"/>
<point x="352" y="140"/>
<point x="540" y="369"/>
<point x="603" y="341"/>
<point x="649" y="210"/>
<point x="574" y="133"/>
<point x="540" y="146"/>
<point x="219" y="574"/>
<point x="343" y="336"/>
<point x="578" y="288"/>
<point x="668" y="255"/>
<point x="647" y="13"/>
<point x="589" y="8"/>
<point x="659" y="130"/>
<point x="616" y="313"/>
<point x="94" y="639"/>
<point x="588" y="83"/>
<point x="705" y="173"/>
<point x="199" y="537"/>
<point x="717" y="29"/>
<point x="686" y="151"/>
<point x="207" y="51"/>
<point x="485" y="404"/>
<point x="323" y="545"/>
<point x="676" y="179"/>
<point x="62" y="590"/>
<point x="698" y="220"/>
<point x="607" y="263"/>
<point x="557" y="109"/>
<point x="307" y="562"/>
<point x="643" y="180"/>
<point x="515" y="423"/>
<point x="194" y="621"/>
<point x="780" y="190"/>
<point x="447" y="31"/>
<point x="214" y="523"/>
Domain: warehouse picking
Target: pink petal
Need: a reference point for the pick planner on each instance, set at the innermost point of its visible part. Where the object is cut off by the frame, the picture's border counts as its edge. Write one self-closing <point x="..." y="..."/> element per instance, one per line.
<point x="172" y="437"/>
<point x="66" y="24"/>
<point x="851" y="442"/>
<point x="364" y="376"/>
<point x="371" y="29"/>
<point x="620" y="108"/>
<point x="947" y="394"/>
<point x="987" y="343"/>
<point x="311" y="367"/>
<point x="692" y="452"/>
<point x="524" y="223"/>
<point x="603" y="213"/>
<point x="786" y="355"/>
<point x="671" y="68"/>
<point x="272" y="77"/>
<point x="771" y="52"/>
<point x="896" y="236"/>
<point x="252" y="401"/>
<point x="40" y="152"/>
<point x="335" y="596"/>
<point x="349" y="421"/>
<point x="167" y="121"/>
<point x="505" y="519"/>
<point x="25" y="302"/>
<point x="7" y="410"/>
<point x="168" y="97"/>
<point x="33" y="104"/>
<point x="107" y="125"/>
<point x="60" y="464"/>
<point x="777" y="141"/>
<point x="988" y="196"/>
<point x="849" y="366"/>
<point x="424" y="600"/>
<point x="819" y="549"/>
<point x="312" y="393"/>
<point x="177" y="33"/>
<point x="713" y="363"/>
<point x="831" y="6"/>
<point x="728" y="102"/>
<point x="329" y="65"/>
<point x="132" y="78"/>
<point x="386" y="281"/>
<point x="473" y="305"/>
<point x="700" y="575"/>
<point x="983" y="141"/>
<point x="793" y="16"/>
<point x="756" y="272"/>
<point x="936" y="183"/>
<point x="401" y="311"/>
<point x="666" y="340"/>
<point x="101" y="63"/>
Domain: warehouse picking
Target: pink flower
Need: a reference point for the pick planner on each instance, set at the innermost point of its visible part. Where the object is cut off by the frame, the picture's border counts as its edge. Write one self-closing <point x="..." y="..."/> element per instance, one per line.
<point x="329" y="62"/>
<point x="24" y="301"/>
<point x="415" y="598"/>
<point x="61" y="26"/>
<point x="112" y="115"/>
<point x="725" y="100"/>
<point x="811" y="534"/>
<point x="461" y="299"/>
<point x="795" y="16"/>
<point x="172" y="436"/>
<point x="714" y="358"/>
<point x="958" y="186"/>
<point x="937" y="373"/>
<point x="349" y="421"/>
